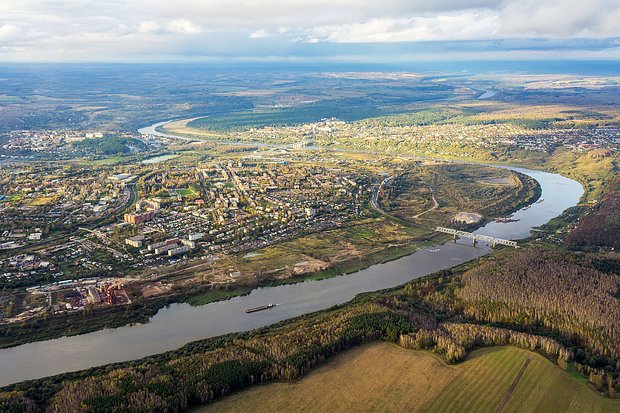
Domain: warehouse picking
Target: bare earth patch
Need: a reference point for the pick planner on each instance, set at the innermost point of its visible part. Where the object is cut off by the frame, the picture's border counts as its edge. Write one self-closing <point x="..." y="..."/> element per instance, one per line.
<point x="156" y="288"/>
<point x="467" y="217"/>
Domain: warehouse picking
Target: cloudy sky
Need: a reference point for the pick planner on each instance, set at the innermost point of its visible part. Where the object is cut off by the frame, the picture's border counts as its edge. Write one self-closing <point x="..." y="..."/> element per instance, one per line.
<point x="331" y="30"/>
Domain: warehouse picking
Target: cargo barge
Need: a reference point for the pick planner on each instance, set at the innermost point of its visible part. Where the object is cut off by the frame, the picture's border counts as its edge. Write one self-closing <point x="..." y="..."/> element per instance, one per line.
<point x="261" y="308"/>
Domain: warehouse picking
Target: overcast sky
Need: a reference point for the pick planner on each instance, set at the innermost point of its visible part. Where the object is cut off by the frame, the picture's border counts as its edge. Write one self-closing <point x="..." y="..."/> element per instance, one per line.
<point x="364" y="30"/>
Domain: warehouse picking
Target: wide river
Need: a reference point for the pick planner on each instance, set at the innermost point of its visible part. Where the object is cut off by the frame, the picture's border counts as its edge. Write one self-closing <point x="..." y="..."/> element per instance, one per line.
<point x="179" y="324"/>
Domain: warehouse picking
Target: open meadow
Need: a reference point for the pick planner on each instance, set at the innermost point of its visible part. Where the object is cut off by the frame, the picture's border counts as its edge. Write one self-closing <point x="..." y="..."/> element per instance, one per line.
<point x="387" y="378"/>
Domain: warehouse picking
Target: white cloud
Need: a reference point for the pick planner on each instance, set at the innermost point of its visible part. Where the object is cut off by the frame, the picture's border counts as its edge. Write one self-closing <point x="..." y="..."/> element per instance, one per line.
<point x="183" y="26"/>
<point x="9" y="33"/>
<point x="469" y="25"/>
<point x="38" y="28"/>
<point x="561" y="18"/>
<point x="259" y="34"/>
<point x="148" y="26"/>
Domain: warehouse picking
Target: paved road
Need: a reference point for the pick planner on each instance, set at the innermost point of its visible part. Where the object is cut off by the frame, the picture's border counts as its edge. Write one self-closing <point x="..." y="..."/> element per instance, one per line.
<point x="374" y="200"/>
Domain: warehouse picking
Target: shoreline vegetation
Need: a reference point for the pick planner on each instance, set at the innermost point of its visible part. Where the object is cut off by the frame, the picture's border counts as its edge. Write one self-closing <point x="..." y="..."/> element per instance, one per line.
<point x="428" y="313"/>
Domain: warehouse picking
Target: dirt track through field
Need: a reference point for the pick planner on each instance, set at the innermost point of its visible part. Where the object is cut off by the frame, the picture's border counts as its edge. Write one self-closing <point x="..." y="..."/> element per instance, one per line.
<point x="513" y="386"/>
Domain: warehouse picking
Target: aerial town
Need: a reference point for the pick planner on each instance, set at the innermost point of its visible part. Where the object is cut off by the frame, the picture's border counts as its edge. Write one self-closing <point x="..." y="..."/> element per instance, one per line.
<point x="85" y="232"/>
<point x="79" y="234"/>
<point x="289" y="205"/>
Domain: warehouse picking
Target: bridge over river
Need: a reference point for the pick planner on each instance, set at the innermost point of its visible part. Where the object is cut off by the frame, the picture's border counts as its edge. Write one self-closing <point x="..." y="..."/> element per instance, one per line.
<point x="477" y="237"/>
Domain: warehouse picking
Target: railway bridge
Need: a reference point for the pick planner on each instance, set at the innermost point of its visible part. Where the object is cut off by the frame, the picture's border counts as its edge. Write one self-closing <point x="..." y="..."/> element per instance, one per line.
<point x="476" y="237"/>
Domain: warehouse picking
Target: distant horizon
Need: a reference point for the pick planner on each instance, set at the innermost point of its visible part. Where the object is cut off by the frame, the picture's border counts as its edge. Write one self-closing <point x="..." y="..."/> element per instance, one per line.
<point x="383" y="58"/>
<point x="466" y="67"/>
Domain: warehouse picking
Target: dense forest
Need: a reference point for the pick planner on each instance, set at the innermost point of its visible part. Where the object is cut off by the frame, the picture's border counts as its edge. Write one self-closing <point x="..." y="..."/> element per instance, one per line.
<point x="111" y="145"/>
<point x="462" y="116"/>
<point x="572" y="298"/>
<point x="601" y="227"/>
<point x="455" y="340"/>
<point x="563" y="305"/>
<point x="549" y="289"/>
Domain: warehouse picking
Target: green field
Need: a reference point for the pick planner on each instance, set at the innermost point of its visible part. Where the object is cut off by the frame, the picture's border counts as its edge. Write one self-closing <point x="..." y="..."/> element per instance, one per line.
<point x="185" y="192"/>
<point x="388" y="378"/>
<point x="244" y="120"/>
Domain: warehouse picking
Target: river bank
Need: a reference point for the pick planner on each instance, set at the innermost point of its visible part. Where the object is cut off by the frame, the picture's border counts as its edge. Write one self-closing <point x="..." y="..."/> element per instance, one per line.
<point x="140" y="311"/>
<point x="178" y="324"/>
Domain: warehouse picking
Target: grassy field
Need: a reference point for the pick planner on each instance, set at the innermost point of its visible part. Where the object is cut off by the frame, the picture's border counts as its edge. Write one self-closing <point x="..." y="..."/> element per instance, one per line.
<point x="243" y="120"/>
<point x="385" y="377"/>
<point x="346" y="249"/>
<point x="592" y="169"/>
